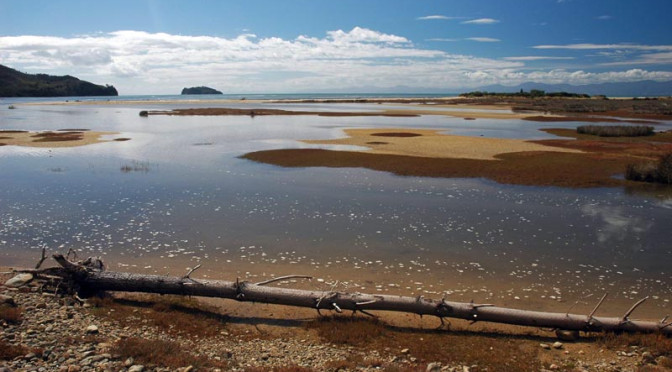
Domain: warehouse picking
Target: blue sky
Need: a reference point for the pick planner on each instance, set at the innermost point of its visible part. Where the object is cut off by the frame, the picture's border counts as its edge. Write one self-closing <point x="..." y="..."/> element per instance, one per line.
<point x="155" y="47"/>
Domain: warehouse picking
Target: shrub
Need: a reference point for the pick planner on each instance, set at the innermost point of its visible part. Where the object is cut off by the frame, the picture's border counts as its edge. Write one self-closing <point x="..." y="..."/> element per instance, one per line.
<point x="616" y="130"/>
<point x="651" y="172"/>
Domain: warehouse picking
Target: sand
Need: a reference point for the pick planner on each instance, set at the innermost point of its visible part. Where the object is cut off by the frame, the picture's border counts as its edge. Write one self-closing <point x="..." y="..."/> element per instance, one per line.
<point x="431" y="143"/>
<point x="48" y="139"/>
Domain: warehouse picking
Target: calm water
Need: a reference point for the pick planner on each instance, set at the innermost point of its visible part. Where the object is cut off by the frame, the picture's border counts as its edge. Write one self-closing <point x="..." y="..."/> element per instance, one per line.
<point x="178" y="194"/>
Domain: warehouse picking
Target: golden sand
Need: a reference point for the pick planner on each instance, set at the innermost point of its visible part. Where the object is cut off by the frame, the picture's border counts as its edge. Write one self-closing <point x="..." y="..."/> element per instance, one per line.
<point x="51" y="139"/>
<point x="432" y="144"/>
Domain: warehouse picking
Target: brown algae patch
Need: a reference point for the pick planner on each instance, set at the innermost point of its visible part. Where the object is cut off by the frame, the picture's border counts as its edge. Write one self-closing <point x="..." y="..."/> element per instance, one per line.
<point x="432" y="144"/>
<point x="52" y="139"/>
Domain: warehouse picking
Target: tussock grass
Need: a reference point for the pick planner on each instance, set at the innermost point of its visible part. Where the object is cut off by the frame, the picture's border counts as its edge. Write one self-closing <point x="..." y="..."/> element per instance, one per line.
<point x="616" y="130"/>
<point x="9" y="351"/>
<point x="292" y="368"/>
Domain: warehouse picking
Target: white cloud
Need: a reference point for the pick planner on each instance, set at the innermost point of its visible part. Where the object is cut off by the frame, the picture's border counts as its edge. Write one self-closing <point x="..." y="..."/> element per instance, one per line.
<point x="481" y="21"/>
<point x="483" y="39"/>
<point x="536" y="58"/>
<point x="433" y="17"/>
<point x="605" y="46"/>
<point x="442" y="39"/>
<point x="138" y="62"/>
<point x="605" y="17"/>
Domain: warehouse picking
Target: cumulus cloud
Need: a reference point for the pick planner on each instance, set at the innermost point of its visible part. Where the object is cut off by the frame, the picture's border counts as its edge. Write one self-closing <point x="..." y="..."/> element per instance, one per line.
<point x="138" y="62"/>
<point x="481" y="21"/>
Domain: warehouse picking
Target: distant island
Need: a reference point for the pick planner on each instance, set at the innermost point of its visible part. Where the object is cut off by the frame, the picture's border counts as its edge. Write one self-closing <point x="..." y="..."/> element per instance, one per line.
<point x="200" y="90"/>
<point x="14" y="83"/>
<point x="533" y="93"/>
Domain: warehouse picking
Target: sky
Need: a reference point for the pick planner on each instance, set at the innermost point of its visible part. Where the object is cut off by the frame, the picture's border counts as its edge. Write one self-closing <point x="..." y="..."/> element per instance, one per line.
<point x="291" y="46"/>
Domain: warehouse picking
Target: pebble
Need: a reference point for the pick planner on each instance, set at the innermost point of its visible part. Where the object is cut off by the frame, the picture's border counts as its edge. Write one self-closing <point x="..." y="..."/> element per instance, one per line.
<point x="557" y="345"/>
<point x="565" y="335"/>
<point x="92" y="329"/>
<point x="136" y="368"/>
<point x="405" y="351"/>
<point x="545" y="346"/>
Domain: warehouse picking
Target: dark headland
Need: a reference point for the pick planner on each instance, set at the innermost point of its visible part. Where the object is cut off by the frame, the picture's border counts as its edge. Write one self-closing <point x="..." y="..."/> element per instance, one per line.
<point x="14" y="83"/>
<point x="200" y="90"/>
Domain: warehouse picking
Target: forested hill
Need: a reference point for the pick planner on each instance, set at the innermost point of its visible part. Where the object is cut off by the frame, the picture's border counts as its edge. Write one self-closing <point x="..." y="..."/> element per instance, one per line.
<point x="14" y="83"/>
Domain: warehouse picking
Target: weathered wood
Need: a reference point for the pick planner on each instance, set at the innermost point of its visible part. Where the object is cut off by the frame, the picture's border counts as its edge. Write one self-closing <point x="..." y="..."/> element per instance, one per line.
<point x="94" y="280"/>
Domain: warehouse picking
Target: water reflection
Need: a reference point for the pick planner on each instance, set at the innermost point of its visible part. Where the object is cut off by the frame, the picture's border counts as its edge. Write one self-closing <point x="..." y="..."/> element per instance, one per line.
<point x="177" y="193"/>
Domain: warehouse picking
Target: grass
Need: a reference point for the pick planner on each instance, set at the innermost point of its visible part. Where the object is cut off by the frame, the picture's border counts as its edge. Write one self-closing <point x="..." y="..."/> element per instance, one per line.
<point x="10" y="314"/>
<point x="656" y="344"/>
<point x="660" y="172"/>
<point x="616" y="130"/>
<point x="495" y="352"/>
<point x="176" y="315"/>
<point x="9" y="351"/>
<point x="57" y="136"/>
<point x="161" y="352"/>
<point x="291" y="368"/>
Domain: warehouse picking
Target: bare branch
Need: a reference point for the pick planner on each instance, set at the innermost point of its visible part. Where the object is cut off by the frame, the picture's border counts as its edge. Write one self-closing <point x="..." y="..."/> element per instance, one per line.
<point x="191" y="271"/>
<point x="590" y="316"/>
<point x="627" y="314"/>
<point x="44" y="257"/>
<point x="273" y="280"/>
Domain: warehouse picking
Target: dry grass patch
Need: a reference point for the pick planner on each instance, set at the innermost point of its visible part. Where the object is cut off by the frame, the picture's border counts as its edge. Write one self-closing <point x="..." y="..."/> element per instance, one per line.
<point x="292" y="368"/>
<point x="177" y="315"/>
<point x="163" y="353"/>
<point x="493" y="351"/>
<point x="9" y="351"/>
<point x="656" y="344"/>
<point x="58" y="136"/>
<point x="10" y="314"/>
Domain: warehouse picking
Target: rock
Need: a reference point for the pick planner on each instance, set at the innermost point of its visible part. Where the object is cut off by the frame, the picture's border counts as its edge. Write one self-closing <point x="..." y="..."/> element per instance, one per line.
<point x="557" y="345"/>
<point x="19" y="280"/>
<point x="136" y="368"/>
<point x="405" y="351"/>
<point x="664" y="361"/>
<point x="545" y="346"/>
<point x="128" y="362"/>
<point x="188" y="369"/>
<point x="92" y="329"/>
<point x="433" y="367"/>
<point x="565" y="335"/>
<point x="554" y="367"/>
<point x="647" y="358"/>
<point x="6" y="300"/>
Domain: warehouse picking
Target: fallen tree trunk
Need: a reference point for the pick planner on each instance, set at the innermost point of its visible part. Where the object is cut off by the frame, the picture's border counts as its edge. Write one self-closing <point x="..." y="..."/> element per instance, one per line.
<point x="91" y="280"/>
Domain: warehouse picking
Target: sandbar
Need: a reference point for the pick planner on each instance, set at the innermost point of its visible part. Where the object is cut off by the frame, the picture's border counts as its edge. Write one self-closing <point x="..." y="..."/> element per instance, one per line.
<point x="51" y="139"/>
<point x="434" y="144"/>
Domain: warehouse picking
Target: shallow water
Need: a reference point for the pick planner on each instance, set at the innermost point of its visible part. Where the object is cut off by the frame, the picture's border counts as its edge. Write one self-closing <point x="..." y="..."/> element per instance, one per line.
<point x="178" y="194"/>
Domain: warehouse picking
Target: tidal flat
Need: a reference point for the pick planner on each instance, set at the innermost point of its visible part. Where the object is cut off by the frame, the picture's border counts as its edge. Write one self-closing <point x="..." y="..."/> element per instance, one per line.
<point x="178" y="191"/>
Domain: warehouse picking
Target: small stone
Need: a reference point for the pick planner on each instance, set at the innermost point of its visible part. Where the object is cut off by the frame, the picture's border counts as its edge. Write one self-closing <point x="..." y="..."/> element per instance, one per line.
<point x="557" y="345"/>
<point x="554" y="367"/>
<point x="433" y="367"/>
<point x="73" y="368"/>
<point x="565" y="335"/>
<point x="405" y="351"/>
<point x="19" y="280"/>
<point x="7" y="300"/>
<point x="136" y="368"/>
<point x="188" y="369"/>
<point x="545" y="346"/>
<point x="92" y="329"/>
<point x="128" y="362"/>
<point x="647" y="357"/>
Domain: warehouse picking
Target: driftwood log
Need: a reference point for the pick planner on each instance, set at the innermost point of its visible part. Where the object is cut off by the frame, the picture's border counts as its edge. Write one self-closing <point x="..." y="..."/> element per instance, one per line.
<point x="89" y="277"/>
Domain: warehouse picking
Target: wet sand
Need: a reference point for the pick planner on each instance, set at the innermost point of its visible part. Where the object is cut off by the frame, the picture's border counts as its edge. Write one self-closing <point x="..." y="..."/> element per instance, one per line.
<point x="433" y="144"/>
<point x="67" y="138"/>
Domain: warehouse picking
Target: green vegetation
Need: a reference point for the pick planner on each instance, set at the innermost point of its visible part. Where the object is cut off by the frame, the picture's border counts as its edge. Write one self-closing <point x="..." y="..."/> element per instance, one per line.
<point x="616" y="130"/>
<point x="200" y="90"/>
<point x="660" y="172"/>
<point x="534" y="93"/>
<point x="17" y="84"/>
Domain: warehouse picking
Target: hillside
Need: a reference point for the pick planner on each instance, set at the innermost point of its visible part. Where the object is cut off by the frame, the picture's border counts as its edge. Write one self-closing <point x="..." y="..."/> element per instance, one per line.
<point x="645" y="88"/>
<point x="200" y="90"/>
<point x="14" y="83"/>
